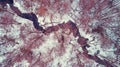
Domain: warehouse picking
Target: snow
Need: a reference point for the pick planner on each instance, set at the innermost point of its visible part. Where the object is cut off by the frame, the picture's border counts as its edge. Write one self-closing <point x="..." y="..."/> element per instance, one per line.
<point x="2" y="58"/>
<point x="94" y="23"/>
<point x="18" y="5"/>
<point x="23" y="63"/>
<point x="14" y="31"/>
<point x="103" y="53"/>
<point x="74" y="5"/>
<point x="66" y="18"/>
<point x="21" y="20"/>
<point x="111" y="34"/>
<point x="56" y="20"/>
<point x="86" y="35"/>
<point x="46" y="46"/>
<point x="49" y="44"/>
<point x="64" y="59"/>
<point x="40" y="20"/>
<point x="93" y="49"/>
<point x="2" y="32"/>
<point x="5" y="49"/>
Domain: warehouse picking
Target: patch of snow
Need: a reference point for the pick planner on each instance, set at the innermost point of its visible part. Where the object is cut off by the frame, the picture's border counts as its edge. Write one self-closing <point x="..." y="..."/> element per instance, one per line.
<point x="5" y="49"/>
<point x="18" y="5"/>
<point x="14" y="31"/>
<point x="94" y="23"/>
<point x="66" y="18"/>
<point x="86" y="35"/>
<point x="23" y="63"/>
<point x="21" y="20"/>
<point x="46" y="46"/>
<point x="2" y="32"/>
<point x="93" y="49"/>
<point x="64" y="59"/>
<point x="2" y="58"/>
<point x="111" y="34"/>
<point x="8" y="48"/>
<point x="40" y="20"/>
<point x="74" y="5"/>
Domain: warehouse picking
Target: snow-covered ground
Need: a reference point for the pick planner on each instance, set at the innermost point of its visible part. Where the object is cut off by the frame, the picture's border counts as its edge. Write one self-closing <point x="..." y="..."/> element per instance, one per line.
<point x="21" y="45"/>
